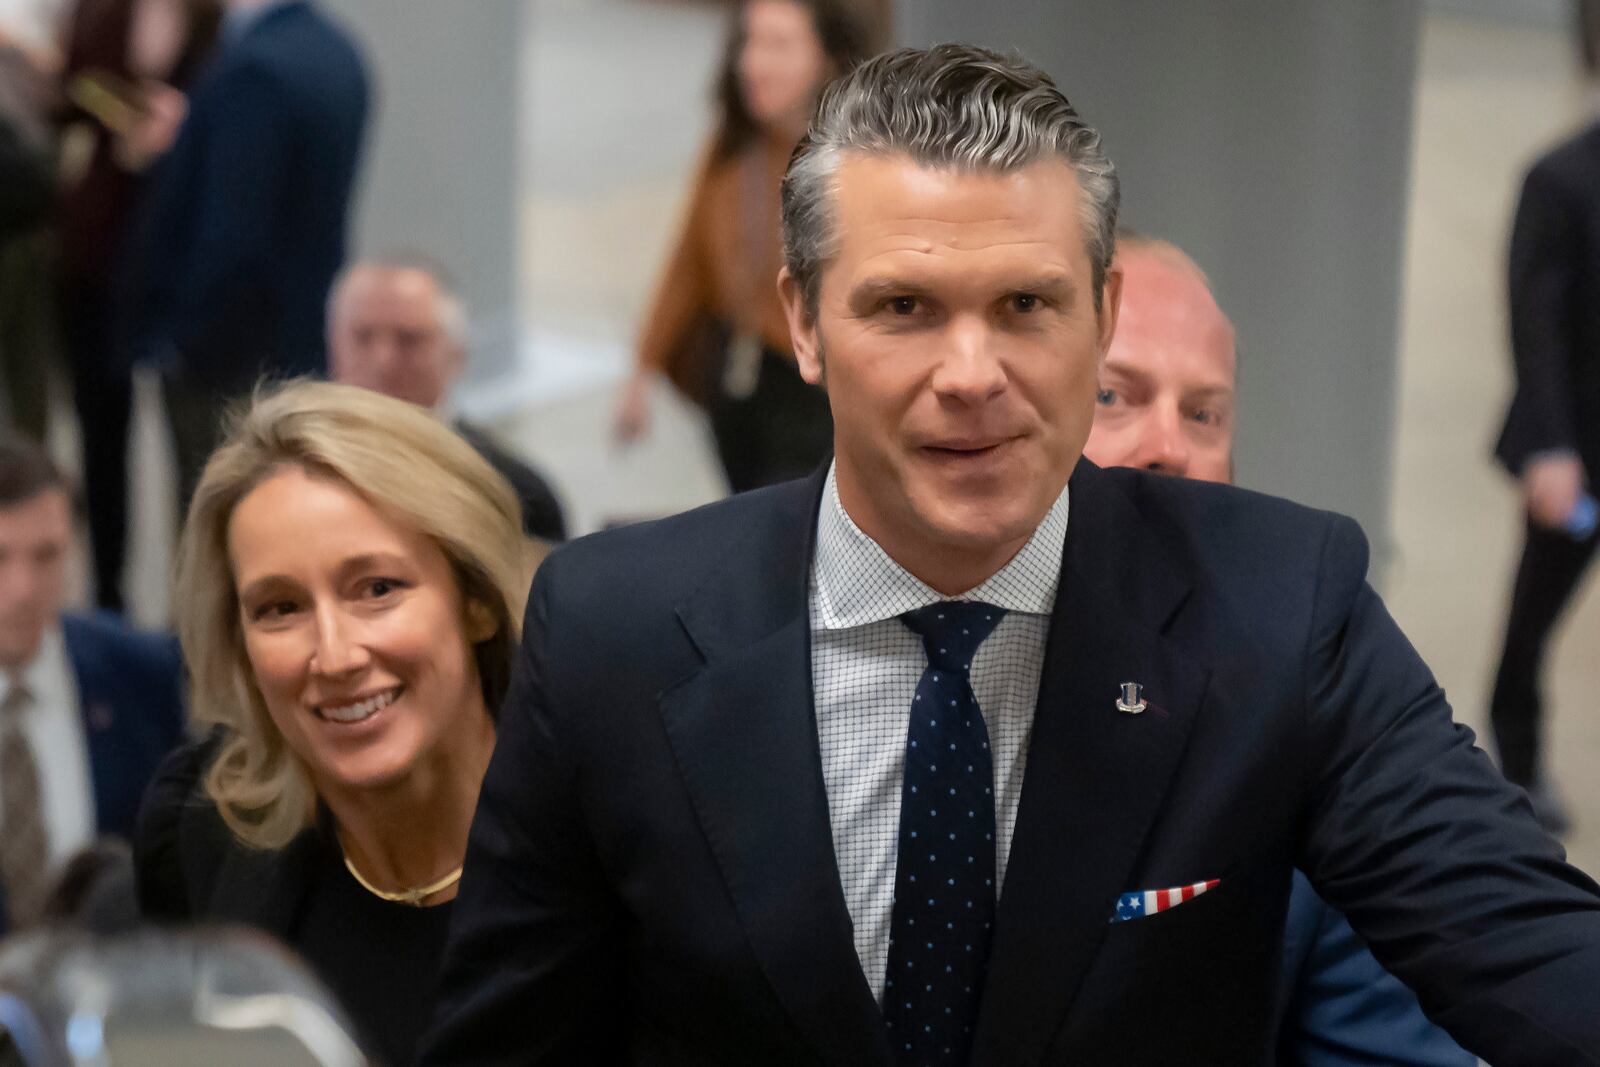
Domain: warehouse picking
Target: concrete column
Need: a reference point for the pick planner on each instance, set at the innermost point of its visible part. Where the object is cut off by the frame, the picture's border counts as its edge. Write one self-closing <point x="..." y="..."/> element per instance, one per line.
<point x="443" y="162"/>
<point x="1272" y="141"/>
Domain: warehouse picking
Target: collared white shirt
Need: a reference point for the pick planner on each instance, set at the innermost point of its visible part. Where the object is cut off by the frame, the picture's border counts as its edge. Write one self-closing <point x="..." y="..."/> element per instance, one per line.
<point x="865" y="666"/>
<point x="239" y="21"/>
<point x="53" y="725"/>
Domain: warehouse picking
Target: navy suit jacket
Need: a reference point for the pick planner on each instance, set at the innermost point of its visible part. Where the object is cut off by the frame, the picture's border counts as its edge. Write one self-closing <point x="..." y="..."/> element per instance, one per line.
<point x="651" y="877"/>
<point x="247" y="214"/>
<point x="131" y="697"/>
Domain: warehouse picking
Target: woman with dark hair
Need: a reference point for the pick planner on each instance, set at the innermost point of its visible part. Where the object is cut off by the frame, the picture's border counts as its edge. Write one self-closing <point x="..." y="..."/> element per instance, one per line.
<point x="126" y="66"/>
<point x="716" y="329"/>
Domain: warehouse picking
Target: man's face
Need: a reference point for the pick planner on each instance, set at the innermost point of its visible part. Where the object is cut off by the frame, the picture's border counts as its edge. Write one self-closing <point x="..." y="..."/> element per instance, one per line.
<point x="1167" y="391"/>
<point x="385" y="334"/>
<point x="957" y="329"/>
<point x="34" y="537"/>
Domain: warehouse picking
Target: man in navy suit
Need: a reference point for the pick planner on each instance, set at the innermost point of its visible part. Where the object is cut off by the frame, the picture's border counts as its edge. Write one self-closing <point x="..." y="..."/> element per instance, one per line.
<point x="247" y="217"/>
<point x="965" y="750"/>
<point x="1550" y="441"/>
<point x="87" y="708"/>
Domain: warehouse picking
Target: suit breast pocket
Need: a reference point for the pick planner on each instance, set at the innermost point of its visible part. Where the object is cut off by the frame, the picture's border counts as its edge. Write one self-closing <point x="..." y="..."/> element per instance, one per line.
<point x="1230" y="924"/>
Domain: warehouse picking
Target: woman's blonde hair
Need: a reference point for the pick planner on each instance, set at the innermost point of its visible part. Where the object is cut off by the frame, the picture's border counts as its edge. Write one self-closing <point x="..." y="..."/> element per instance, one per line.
<point x="407" y="464"/>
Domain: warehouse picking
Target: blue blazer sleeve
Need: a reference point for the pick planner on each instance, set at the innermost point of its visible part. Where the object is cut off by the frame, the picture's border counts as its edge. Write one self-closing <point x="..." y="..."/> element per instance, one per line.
<point x="1344" y="1009"/>
<point x="1413" y="835"/>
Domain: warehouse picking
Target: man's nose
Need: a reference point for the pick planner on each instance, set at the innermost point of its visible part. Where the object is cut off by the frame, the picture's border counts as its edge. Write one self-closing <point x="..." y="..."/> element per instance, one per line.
<point x="970" y="370"/>
<point x="1163" y="446"/>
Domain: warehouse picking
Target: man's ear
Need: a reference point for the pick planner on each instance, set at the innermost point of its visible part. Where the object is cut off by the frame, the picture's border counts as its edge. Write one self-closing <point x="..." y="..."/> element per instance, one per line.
<point x="1110" y="306"/>
<point x="802" y="327"/>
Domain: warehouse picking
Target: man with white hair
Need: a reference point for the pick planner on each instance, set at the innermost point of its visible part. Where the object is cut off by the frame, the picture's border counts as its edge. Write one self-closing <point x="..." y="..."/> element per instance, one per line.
<point x="397" y="326"/>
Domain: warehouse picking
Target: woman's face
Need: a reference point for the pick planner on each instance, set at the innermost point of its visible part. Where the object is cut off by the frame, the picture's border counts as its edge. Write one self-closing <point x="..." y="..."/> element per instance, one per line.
<point x="156" y="37"/>
<point x="356" y="632"/>
<point x="782" y="65"/>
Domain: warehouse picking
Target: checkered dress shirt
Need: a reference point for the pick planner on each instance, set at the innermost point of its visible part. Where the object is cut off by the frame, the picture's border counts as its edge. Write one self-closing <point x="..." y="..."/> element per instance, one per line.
<point x="865" y="665"/>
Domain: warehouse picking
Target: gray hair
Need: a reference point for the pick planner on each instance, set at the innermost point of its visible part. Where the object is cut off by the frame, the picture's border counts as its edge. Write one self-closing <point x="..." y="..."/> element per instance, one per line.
<point x="452" y="309"/>
<point x="953" y="106"/>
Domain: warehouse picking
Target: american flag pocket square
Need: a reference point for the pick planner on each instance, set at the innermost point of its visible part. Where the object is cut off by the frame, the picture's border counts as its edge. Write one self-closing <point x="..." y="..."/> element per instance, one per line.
<point x="1144" y="902"/>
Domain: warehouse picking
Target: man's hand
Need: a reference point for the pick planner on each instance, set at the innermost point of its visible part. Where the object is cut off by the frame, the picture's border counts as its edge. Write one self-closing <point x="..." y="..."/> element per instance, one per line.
<point x="1551" y="486"/>
<point x="632" y="417"/>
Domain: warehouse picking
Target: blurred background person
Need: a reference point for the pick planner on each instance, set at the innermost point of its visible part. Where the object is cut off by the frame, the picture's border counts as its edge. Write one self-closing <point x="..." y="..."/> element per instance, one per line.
<point x="28" y="344"/>
<point x="88" y="709"/>
<point x="126" y="66"/>
<point x="1550" y="440"/>
<point x="350" y="587"/>
<point x="716" y="329"/>
<point x="396" y="325"/>
<point x="247" y="218"/>
<point x="1166" y="404"/>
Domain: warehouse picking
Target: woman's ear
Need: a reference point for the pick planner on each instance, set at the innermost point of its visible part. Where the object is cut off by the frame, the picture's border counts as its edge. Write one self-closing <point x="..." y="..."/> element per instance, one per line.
<point x="481" y="623"/>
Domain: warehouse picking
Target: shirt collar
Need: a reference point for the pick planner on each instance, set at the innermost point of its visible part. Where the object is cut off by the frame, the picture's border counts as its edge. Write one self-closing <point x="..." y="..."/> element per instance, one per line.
<point x="239" y="21"/>
<point x="856" y="582"/>
<point x="45" y="664"/>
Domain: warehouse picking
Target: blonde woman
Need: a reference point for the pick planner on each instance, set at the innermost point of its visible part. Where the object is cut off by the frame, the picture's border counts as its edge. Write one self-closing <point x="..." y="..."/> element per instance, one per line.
<point x="350" y="584"/>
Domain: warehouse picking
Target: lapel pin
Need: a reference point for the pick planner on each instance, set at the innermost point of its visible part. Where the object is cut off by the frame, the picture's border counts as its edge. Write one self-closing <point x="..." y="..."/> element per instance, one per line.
<point x="1130" y="702"/>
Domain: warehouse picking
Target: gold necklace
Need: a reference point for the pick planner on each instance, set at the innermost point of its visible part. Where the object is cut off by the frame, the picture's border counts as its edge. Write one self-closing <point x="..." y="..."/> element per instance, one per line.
<point x="410" y="897"/>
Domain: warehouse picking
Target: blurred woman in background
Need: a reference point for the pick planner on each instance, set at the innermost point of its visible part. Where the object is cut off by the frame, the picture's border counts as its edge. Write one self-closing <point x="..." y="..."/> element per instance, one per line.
<point x="350" y="584"/>
<point x="127" y="64"/>
<point x="716" y="328"/>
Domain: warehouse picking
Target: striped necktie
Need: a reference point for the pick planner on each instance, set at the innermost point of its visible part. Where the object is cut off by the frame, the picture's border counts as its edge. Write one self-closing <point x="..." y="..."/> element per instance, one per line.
<point x="24" y="844"/>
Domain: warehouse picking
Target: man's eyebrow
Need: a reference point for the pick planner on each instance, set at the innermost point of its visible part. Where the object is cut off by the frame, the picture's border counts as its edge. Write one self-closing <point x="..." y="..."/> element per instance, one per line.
<point x="1051" y="282"/>
<point x="1129" y="370"/>
<point x="882" y="287"/>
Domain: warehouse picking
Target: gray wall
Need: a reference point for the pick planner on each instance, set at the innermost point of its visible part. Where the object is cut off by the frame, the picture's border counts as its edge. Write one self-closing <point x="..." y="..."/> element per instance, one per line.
<point x="1272" y="141"/>
<point x="444" y="151"/>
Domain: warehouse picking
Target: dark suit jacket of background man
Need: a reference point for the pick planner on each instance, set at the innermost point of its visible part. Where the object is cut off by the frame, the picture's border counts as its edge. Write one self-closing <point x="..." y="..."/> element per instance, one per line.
<point x="1555" y="316"/>
<point x="247" y="215"/>
<point x="130" y="695"/>
<point x="651" y="875"/>
<point x="542" y="516"/>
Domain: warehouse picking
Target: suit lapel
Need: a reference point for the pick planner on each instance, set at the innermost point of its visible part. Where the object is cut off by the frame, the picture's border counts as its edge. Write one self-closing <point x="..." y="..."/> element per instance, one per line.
<point x="1095" y="776"/>
<point x="744" y="735"/>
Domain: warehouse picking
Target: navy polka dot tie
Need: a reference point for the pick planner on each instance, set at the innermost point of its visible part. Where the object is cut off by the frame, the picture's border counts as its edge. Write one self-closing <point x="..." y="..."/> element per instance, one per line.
<point x="943" y="917"/>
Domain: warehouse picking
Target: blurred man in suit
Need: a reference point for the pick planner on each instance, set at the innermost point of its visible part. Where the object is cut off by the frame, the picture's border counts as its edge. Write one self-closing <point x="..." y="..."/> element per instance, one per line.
<point x="1166" y="404"/>
<point x="1551" y="438"/>
<point x="964" y="750"/>
<point x="247" y="217"/>
<point x="87" y="708"/>
<point x="397" y="326"/>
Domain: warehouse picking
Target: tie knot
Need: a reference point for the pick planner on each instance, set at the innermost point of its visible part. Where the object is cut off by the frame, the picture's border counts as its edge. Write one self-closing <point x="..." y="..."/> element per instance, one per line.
<point x="952" y="630"/>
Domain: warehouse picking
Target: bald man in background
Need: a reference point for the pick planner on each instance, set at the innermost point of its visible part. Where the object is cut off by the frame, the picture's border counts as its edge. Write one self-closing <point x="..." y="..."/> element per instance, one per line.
<point x="1166" y="404"/>
<point x="397" y="326"/>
